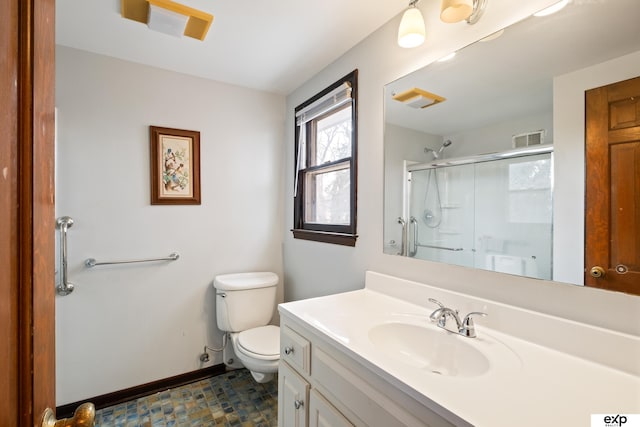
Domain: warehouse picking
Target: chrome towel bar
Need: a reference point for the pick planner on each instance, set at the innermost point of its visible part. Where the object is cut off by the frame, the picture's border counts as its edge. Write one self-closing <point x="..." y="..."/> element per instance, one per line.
<point x="444" y="248"/>
<point x="91" y="262"/>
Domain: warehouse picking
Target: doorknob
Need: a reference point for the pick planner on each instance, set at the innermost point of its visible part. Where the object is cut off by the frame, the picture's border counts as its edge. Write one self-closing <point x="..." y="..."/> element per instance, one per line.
<point x="597" y="272"/>
<point x="84" y="416"/>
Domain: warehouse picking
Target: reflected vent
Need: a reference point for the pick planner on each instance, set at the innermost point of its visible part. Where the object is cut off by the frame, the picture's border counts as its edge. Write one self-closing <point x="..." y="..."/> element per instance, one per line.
<point x="528" y="139"/>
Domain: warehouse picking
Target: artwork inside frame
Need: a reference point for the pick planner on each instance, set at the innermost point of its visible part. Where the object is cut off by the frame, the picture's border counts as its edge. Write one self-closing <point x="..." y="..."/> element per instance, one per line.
<point x="175" y="166"/>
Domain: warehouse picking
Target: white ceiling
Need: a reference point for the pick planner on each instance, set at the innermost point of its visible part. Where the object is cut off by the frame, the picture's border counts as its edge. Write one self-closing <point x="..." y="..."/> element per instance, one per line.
<point x="270" y="45"/>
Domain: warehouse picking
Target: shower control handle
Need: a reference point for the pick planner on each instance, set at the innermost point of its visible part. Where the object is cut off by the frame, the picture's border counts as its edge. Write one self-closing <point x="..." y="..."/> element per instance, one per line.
<point x="288" y="350"/>
<point x="597" y="272"/>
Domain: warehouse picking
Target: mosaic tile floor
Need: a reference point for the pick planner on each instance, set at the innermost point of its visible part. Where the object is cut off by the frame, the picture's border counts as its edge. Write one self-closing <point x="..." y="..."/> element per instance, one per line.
<point x="230" y="399"/>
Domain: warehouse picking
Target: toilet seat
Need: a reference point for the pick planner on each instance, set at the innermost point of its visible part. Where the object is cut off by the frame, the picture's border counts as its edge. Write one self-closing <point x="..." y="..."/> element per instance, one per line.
<point x="262" y="343"/>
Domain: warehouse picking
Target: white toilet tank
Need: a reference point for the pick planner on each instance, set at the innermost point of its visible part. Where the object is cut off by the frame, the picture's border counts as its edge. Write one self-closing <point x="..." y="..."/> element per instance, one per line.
<point x="245" y="300"/>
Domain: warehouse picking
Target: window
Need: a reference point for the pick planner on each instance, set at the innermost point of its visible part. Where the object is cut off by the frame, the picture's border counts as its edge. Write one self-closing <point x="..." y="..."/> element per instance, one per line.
<point x="325" y="150"/>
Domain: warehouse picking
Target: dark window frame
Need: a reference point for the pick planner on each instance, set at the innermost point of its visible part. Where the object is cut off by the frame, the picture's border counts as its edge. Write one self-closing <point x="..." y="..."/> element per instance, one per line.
<point x="328" y="233"/>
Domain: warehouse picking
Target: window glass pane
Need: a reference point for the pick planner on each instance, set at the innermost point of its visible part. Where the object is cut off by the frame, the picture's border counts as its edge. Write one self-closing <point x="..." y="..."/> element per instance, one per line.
<point x="333" y="137"/>
<point x="328" y="197"/>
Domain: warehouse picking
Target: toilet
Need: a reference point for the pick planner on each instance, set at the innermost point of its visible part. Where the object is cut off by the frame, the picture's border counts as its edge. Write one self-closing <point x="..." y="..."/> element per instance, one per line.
<point x="245" y="303"/>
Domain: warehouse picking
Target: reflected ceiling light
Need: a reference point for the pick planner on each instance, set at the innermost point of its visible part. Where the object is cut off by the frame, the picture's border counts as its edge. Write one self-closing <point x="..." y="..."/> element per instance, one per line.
<point x="447" y="57"/>
<point x="411" y="31"/>
<point x="492" y="36"/>
<point x="418" y="98"/>
<point x="552" y="9"/>
<point x="452" y="11"/>
<point x="168" y="17"/>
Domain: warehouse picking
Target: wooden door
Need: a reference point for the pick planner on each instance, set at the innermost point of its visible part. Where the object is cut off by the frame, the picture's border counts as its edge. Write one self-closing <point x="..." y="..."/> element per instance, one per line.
<point x="612" y="218"/>
<point x="27" y="352"/>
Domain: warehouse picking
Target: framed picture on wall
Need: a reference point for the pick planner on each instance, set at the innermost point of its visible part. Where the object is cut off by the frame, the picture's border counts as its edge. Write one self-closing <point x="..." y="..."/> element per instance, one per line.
<point x="175" y="166"/>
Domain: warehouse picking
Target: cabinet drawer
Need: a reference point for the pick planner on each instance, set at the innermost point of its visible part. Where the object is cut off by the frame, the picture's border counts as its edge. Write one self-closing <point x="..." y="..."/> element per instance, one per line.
<point x="295" y="349"/>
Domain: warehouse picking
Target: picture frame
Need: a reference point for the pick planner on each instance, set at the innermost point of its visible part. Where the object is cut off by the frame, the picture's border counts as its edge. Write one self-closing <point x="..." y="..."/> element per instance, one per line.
<point x="175" y="166"/>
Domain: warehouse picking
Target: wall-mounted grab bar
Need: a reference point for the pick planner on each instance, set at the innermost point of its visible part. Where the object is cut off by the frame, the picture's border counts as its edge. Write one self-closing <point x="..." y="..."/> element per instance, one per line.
<point x="441" y="247"/>
<point x="414" y="244"/>
<point x="63" y="224"/>
<point x="403" y="243"/>
<point x="91" y="262"/>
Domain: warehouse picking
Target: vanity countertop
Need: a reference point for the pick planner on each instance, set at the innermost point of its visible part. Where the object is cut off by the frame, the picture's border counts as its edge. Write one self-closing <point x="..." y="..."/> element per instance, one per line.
<point x="535" y="386"/>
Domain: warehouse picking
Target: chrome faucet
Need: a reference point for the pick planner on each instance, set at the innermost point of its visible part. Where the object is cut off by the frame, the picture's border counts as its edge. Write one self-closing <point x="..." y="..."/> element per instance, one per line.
<point x="465" y="327"/>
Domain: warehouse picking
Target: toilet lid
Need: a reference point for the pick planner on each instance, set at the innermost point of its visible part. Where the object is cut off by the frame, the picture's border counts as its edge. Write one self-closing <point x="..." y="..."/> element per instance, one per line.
<point x="263" y="341"/>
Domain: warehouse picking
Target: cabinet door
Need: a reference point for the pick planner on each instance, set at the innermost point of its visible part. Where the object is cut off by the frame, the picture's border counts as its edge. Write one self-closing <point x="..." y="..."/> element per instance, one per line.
<point x="293" y="396"/>
<point x="323" y="414"/>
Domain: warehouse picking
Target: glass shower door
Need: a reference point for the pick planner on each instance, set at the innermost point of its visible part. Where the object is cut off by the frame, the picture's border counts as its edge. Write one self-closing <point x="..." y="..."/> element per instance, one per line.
<point x="513" y="220"/>
<point x="441" y="211"/>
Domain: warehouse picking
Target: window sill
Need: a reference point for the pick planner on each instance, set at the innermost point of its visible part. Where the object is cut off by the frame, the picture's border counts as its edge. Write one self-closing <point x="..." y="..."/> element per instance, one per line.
<point x="325" y="237"/>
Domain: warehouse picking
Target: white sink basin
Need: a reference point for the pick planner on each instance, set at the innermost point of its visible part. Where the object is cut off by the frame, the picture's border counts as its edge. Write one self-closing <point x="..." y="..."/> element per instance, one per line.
<point x="430" y="349"/>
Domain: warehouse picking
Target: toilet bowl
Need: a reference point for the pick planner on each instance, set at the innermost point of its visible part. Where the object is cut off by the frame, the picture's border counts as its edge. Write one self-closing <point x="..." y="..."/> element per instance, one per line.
<point x="259" y="351"/>
<point x="245" y="303"/>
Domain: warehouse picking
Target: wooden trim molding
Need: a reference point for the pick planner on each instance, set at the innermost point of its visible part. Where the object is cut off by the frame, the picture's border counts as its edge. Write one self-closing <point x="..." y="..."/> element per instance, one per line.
<point x="132" y="393"/>
<point x="9" y="289"/>
<point x="325" y="236"/>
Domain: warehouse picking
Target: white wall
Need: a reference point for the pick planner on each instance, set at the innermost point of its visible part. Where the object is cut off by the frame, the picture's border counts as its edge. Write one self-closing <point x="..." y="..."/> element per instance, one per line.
<point x="313" y="269"/>
<point x="403" y="145"/>
<point x="128" y="325"/>
<point x="497" y="137"/>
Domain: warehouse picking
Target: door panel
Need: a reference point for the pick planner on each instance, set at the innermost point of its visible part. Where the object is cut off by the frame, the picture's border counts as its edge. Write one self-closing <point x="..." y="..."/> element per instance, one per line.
<point x="26" y="232"/>
<point x="293" y="396"/>
<point x="613" y="187"/>
<point x="42" y="227"/>
<point x="8" y="209"/>
<point x="323" y="414"/>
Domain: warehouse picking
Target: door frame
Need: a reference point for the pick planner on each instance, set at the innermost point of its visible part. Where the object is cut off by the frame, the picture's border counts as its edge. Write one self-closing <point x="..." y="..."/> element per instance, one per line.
<point x="27" y="256"/>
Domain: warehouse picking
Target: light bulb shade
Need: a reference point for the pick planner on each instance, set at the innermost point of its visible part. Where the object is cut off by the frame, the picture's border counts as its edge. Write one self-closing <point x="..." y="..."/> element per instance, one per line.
<point x="411" y="31"/>
<point x="455" y="10"/>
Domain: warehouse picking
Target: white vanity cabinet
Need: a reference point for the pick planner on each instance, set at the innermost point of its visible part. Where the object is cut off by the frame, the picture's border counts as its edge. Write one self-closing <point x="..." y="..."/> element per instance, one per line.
<point x="370" y="357"/>
<point x="298" y="405"/>
<point x="293" y="397"/>
<point x="320" y="385"/>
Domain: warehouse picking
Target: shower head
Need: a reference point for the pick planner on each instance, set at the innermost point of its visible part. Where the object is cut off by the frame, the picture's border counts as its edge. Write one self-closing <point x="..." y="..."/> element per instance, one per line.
<point x="436" y="154"/>
<point x="444" y="145"/>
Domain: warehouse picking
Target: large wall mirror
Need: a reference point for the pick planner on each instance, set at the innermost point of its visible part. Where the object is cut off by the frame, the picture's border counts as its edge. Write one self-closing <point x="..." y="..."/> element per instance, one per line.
<point x="482" y="166"/>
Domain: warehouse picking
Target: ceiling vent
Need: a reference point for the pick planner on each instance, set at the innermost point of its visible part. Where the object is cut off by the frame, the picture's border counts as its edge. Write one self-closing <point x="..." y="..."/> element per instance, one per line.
<point x="528" y="139"/>
<point x="168" y="17"/>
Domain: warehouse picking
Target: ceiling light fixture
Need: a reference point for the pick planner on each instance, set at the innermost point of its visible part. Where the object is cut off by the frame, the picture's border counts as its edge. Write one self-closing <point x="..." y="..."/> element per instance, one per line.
<point x="411" y="31"/>
<point x="168" y="17"/>
<point x="552" y="9"/>
<point x="418" y="98"/>
<point x="452" y="11"/>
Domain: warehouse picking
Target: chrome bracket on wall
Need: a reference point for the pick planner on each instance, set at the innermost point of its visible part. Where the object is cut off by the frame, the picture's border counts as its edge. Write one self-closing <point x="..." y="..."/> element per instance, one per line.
<point x="63" y="224"/>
